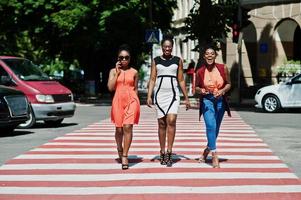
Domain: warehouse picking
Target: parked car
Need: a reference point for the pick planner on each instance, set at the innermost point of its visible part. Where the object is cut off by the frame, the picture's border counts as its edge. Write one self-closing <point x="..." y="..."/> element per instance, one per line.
<point x="14" y="109"/>
<point x="284" y="95"/>
<point x="49" y="100"/>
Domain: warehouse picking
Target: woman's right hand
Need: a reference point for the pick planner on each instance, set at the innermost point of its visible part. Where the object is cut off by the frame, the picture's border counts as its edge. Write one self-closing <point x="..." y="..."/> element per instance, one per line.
<point x="204" y="91"/>
<point x="117" y="67"/>
<point x="149" y="102"/>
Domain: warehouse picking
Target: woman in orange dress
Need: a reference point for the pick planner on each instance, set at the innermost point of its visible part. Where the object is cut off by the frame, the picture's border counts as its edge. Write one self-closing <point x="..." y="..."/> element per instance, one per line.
<point x="125" y="112"/>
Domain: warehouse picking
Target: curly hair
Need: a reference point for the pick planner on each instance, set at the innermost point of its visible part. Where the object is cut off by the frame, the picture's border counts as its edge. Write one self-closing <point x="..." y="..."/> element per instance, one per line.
<point x="124" y="47"/>
<point x="167" y="37"/>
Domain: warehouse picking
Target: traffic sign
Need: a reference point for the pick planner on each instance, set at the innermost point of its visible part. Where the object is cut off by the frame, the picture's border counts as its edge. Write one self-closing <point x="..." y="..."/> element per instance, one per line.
<point x="263" y="47"/>
<point x="152" y="36"/>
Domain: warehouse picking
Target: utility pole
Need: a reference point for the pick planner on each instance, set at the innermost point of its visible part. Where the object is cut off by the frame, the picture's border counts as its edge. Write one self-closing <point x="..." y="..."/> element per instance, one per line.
<point x="239" y="51"/>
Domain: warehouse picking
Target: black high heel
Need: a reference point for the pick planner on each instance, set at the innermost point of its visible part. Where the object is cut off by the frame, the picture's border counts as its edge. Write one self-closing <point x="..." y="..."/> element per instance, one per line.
<point x="124" y="166"/>
<point x="168" y="159"/>
<point x="162" y="158"/>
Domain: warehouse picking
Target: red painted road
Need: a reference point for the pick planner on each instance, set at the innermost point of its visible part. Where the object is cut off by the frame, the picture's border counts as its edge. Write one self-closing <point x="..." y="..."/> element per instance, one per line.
<point x="83" y="165"/>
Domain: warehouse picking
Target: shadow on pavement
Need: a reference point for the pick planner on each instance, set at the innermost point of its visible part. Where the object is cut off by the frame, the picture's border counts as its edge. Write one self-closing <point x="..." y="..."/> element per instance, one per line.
<point x="39" y="125"/>
<point x="16" y="133"/>
<point x="249" y="108"/>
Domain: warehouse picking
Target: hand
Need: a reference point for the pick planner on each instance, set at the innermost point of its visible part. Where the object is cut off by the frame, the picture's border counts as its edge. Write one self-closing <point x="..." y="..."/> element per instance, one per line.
<point x="117" y="67"/>
<point x="218" y="93"/>
<point x="149" y="102"/>
<point x="204" y="91"/>
<point x="187" y="104"/>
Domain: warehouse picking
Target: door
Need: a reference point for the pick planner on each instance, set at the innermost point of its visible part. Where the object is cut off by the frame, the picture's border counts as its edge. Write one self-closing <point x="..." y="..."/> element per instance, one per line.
<point x="296" y="91"/>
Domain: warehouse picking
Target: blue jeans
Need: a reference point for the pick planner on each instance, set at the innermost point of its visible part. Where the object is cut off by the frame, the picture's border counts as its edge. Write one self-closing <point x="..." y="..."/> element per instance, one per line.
<point x="213" y="112"/>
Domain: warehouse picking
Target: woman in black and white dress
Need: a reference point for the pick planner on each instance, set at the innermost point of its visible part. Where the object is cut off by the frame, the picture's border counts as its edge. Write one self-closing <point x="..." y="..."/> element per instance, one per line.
<point x="166" y="76"/>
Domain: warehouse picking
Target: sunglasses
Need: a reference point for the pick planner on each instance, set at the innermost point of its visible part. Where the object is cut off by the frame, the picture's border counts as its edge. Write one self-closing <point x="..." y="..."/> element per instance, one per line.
<point x="123" y="57"/>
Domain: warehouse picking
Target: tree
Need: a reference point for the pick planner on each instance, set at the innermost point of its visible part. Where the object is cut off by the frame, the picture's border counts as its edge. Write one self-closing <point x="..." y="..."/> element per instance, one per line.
<point x="88" y="31"/>
<point x="209" y="21"/>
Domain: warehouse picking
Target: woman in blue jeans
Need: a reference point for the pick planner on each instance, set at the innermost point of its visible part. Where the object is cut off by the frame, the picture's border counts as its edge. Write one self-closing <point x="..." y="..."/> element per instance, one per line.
<point x="212" y="83"/>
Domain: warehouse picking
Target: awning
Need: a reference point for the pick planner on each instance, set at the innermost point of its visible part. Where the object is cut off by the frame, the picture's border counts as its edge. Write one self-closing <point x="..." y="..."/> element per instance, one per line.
<point x="251" y="4"/>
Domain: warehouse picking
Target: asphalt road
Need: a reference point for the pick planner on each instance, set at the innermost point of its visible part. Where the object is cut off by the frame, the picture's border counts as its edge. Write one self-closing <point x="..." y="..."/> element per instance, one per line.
<point x="22" y="140"/>
<point x="281" y="131"/>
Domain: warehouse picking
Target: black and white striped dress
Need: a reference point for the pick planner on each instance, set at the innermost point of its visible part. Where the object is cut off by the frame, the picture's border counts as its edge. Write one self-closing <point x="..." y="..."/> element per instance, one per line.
<point x="166" y="95"/>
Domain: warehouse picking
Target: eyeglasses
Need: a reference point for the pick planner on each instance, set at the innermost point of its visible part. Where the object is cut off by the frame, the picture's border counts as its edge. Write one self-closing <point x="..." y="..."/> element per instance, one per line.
<point x="123" y="57"/>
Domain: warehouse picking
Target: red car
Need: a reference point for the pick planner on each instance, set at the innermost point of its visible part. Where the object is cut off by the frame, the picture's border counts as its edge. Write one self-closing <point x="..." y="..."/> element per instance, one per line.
<point x="49" y="100"/>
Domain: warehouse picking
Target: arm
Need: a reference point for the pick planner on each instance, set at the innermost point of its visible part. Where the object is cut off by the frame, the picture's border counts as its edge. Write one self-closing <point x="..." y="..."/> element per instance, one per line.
<point x="151" y="84"/>
<point x="227" y="86"/>
<point x="182" y="84"/>
<point x="114" y="73"/>
<point x="136" y="78"/>
<point x="198" y="88"/>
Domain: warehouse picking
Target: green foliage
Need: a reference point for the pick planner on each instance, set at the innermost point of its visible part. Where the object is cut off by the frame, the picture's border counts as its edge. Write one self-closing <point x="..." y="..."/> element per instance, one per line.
<point x="141" y="73"/>
<point x="53" y="66"/>
<point x="57" y="65"/>
<point x="209" y="21"/>
<point x="66" y="20"/>
<point x="85" y="30"/>
<point x="289" y="67"/>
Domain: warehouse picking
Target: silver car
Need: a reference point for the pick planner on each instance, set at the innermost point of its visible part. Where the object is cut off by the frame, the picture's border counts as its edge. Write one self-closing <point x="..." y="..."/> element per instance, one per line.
<point x="284" y="95"/>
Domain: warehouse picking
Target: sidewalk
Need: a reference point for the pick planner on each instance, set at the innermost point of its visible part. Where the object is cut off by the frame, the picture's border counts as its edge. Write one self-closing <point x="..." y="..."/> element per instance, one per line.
<point x="106" y="99"/>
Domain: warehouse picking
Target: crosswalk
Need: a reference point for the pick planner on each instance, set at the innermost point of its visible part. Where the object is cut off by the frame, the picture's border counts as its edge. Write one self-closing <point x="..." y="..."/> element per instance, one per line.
<point x="83" y="165"/>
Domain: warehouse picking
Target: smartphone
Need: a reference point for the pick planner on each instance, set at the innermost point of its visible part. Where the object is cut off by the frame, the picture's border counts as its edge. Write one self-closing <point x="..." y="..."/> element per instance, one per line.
<point x="119" y="63"/>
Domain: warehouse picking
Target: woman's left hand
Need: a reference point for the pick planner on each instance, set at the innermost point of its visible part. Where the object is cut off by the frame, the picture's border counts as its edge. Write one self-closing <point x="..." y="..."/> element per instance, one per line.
<point x="218" y="93"/>
<point x="187" y="103"/>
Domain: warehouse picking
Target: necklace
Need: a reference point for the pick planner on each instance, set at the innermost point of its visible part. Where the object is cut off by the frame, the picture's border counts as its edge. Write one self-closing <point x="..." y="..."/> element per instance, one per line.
<point x="210" y="74"/>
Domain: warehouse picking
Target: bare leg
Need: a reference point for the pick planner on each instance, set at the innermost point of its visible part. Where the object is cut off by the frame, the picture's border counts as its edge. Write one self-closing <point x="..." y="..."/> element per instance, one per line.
<point x="119" y="139"/>
<point x="128" y="135"/>
<point x="171" y="130"/>
<point x="162" y="133"/>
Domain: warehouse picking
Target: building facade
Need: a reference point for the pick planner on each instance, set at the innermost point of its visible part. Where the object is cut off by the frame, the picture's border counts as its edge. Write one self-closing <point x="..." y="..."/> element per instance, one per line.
<point x="271" y="39"/>
<point x="181" y="48"/>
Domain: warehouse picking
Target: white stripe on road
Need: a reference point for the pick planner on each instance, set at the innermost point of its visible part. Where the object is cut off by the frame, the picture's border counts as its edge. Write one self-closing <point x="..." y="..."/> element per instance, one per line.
<point x="105" y="156"/>
<point x="147" y="176"/>
<point x="154" y="138"/>
<point x="180" y="120"/>
<point x="184" y="130"/>
<point x="145" y="165"/>
<point x="185" y="126"/>
<point x="245" y="189"/>
<point x="157" y="144"/>
<point x="151" y="149"/>
<point x="155" y="134"/>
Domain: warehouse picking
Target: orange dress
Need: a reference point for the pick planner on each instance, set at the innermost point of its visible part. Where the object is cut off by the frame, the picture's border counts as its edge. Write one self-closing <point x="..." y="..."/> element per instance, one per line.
<point x="125" y="104"/>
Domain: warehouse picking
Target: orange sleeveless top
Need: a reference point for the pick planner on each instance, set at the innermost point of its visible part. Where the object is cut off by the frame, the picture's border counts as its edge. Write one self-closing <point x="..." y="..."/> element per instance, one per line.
<point x="213" y="81"/>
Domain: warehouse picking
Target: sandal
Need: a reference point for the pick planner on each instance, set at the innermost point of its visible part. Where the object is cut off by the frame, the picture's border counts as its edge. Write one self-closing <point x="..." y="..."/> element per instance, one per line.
<point x="124" y="164"/>
<point x="162" y="158"/>
<point x="204" y="156"/>
<point x="168" y="159"/>
<point x="215" y="161"/>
